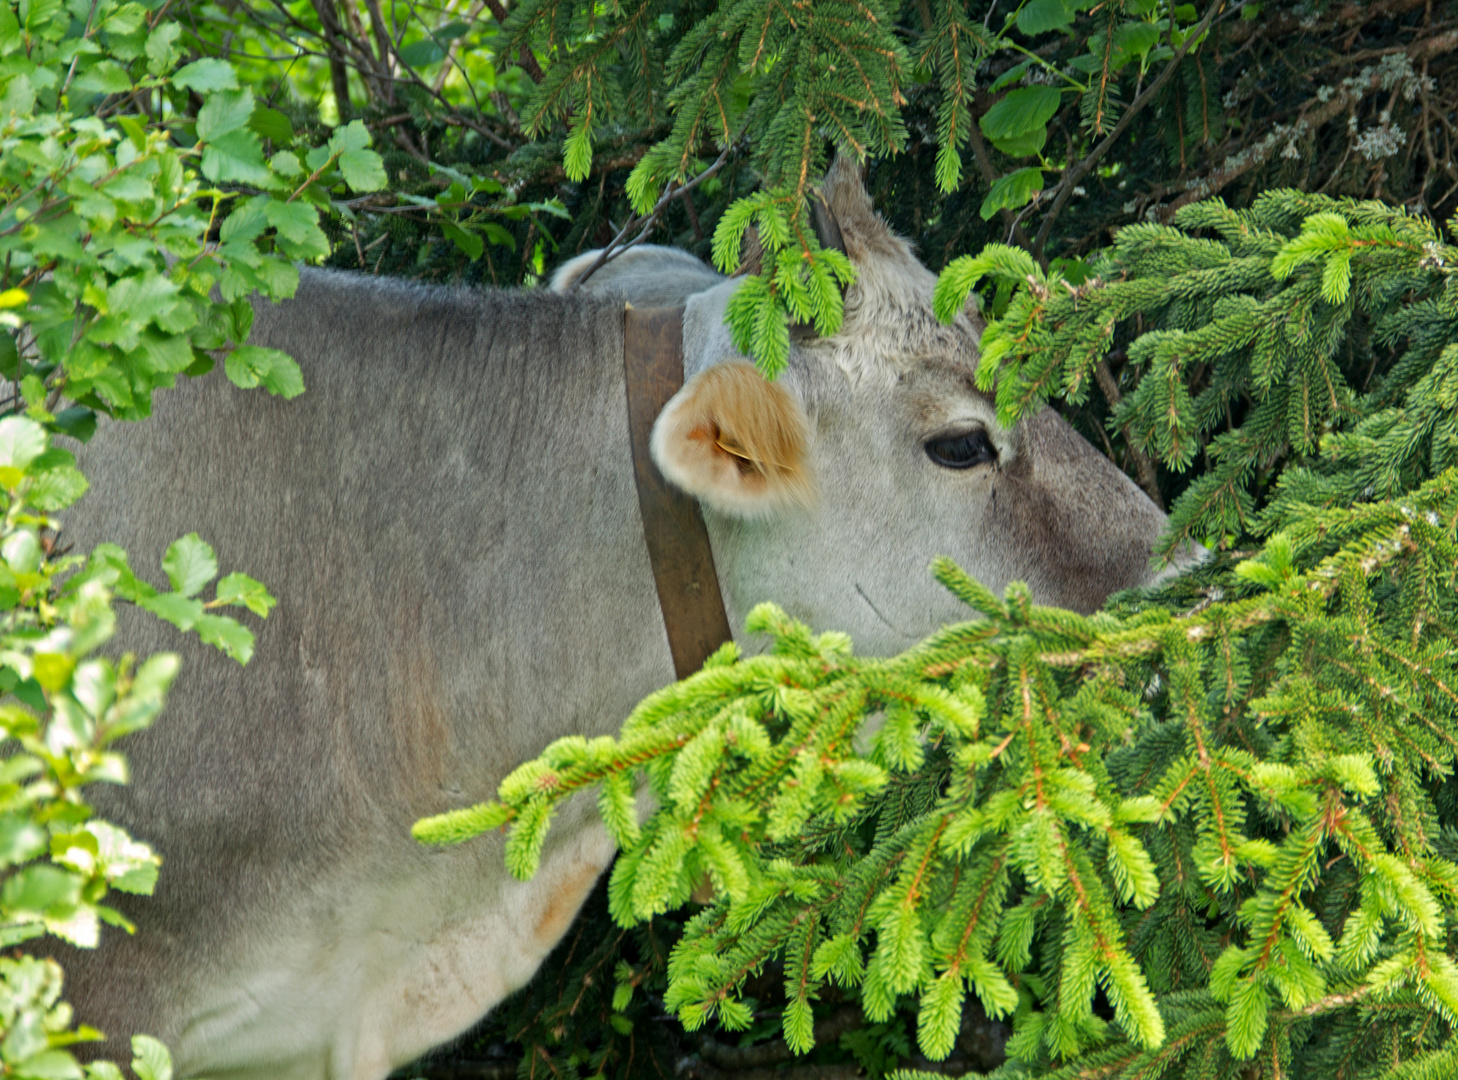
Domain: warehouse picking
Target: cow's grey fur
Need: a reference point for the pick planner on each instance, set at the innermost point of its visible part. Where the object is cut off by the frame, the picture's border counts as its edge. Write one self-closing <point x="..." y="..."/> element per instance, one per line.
<point x="448" y="518"/>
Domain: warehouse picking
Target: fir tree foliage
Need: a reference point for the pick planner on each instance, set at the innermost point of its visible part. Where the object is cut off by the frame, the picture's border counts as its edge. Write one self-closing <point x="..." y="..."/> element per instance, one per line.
<point x="1207" y="832"/>
<point x="1259" y="338"/>
<point x="784" y="83"/>
<point x="804" y="282"/>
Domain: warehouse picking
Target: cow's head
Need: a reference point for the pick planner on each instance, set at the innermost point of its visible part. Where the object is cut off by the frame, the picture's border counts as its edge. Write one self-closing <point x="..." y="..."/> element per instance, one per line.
<point x="831" y="489"/>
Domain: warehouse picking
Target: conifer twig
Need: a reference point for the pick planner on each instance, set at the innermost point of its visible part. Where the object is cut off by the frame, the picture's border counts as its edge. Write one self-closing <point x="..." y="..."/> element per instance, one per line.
<point x="1148" y="478"/>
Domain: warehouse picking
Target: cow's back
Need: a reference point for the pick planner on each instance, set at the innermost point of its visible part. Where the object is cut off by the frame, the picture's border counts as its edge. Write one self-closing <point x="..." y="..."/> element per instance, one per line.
<point x="448" y="520"/>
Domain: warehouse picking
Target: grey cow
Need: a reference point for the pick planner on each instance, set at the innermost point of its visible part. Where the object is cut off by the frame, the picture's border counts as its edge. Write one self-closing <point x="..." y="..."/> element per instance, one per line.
<point x="449" y="520"/>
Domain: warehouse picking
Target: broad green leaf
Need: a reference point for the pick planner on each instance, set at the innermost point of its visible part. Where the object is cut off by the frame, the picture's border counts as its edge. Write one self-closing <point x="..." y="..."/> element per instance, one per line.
<point x="269" y="123"/>
<point x="206" y="76"/>
<point x="1039" y="16"/>
<point x="9" y="29"/>
<point x="297" y="221"/>
<point x="161" y="46"/>
<point x="363" y="170"/>
<point x="21" y="442"/>
<point x="1010" y="76"/>
<point x="1023" y="145"/>
<point x="299" y="234"/>
<point x="251" y="365"/>
<point x="227" y="635"/>
<point x="48" y="1065"/>
<point x="239" y="588"/>
<point x="1021" y="112"/>
<point x="40" y="887"/>
<point x="18" y="97"/>
<point x="190" y="564"/>
<point x="56" y="489"/>
<point x="286" y="163"/>
<point x="498" y="235"/>
<point x="9" y="357"/>
<point x="1134" y="39"/>
<point x="225" y="111"/>
<point x="1012" y="191"/>
<point x="103" y="77"/>
<point x="352" y="136"/>
<point x="21" y="839"/>
<point x="151" y="1061"/>
<point x="141" y="881"/>
<point x="236" y="157"/>
<point x="179" y="611"/>
<point x="468" y="242"/>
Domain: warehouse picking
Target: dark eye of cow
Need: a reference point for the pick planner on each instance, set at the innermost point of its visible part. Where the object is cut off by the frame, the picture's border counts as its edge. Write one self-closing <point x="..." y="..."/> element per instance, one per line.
<point x="962" y="451"/>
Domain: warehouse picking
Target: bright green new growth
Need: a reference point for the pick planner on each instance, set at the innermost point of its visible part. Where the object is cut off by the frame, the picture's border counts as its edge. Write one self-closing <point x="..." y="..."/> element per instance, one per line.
<point x="1206" y="831"/>
<point x="801" y="281"/>
<point x="1065" y="785"/>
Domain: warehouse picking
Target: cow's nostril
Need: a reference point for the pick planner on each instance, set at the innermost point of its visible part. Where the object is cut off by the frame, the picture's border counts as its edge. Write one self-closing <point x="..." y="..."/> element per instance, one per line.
<point x="962" y="451"/>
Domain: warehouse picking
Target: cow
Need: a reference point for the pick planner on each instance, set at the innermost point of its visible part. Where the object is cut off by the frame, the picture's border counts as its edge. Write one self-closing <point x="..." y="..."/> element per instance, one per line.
<point x="449" y="519"/>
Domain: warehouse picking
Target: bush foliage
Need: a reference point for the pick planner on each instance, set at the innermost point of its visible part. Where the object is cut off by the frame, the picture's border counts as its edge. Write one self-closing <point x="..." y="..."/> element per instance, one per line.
<point x="118" y="161"/>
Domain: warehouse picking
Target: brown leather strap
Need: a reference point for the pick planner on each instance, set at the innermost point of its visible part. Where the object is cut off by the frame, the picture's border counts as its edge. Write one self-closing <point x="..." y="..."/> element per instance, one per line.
<point x="678" y="543"/>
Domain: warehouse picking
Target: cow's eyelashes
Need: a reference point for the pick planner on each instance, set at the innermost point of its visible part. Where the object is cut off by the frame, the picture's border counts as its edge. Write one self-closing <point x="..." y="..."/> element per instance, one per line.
<point x="964" y="451"/>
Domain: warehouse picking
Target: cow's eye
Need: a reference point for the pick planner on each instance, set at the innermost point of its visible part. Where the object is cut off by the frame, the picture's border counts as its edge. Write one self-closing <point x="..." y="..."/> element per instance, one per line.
<point x="962" y="451"/>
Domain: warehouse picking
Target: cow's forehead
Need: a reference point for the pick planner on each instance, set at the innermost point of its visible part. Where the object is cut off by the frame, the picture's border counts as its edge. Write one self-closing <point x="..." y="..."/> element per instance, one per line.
<point x="879" y="346"/>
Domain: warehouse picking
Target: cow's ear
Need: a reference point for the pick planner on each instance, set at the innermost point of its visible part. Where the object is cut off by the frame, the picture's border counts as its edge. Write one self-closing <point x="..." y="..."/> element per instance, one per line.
<point x="845" y="218"/>
<point x="973" y="310"/>
<point x="736" y="441"/>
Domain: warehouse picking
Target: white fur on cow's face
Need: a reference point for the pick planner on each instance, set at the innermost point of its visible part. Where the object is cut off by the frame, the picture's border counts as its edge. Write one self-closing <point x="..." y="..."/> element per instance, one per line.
<point x="1051" y="510"/>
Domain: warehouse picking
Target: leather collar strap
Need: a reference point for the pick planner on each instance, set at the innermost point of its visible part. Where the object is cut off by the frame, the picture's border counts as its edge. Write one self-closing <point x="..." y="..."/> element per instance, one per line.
<point x="678" y="543"/>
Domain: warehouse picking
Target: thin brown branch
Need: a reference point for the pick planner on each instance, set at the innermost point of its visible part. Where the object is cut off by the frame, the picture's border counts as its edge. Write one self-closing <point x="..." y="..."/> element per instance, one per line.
<point x="1312" y="118"/>
<point x="524" y="55"/>
<point x="646" y="223"/>
<point x="338" y="73"/>
<point x="1078" y="172"/>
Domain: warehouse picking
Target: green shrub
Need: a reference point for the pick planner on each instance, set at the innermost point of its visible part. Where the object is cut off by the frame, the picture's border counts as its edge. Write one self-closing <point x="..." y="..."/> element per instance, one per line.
<point x="118" y="168"/>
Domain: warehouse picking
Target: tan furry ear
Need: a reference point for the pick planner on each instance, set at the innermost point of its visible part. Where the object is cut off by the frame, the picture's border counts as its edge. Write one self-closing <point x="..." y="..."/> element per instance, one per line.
<point x="736" y="441"/>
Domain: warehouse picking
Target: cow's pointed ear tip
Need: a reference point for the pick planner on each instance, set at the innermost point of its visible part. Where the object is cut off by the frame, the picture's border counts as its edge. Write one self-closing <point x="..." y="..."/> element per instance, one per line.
<point x="844" y="187"/>
<point x="973" y="310"/>
<point x="737" y="442"/>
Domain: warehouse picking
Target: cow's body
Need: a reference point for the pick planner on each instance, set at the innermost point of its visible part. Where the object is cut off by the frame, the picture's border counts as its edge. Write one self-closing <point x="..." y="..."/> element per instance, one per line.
<point x="448" y="519"/>
<point x="462" y="578"/>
